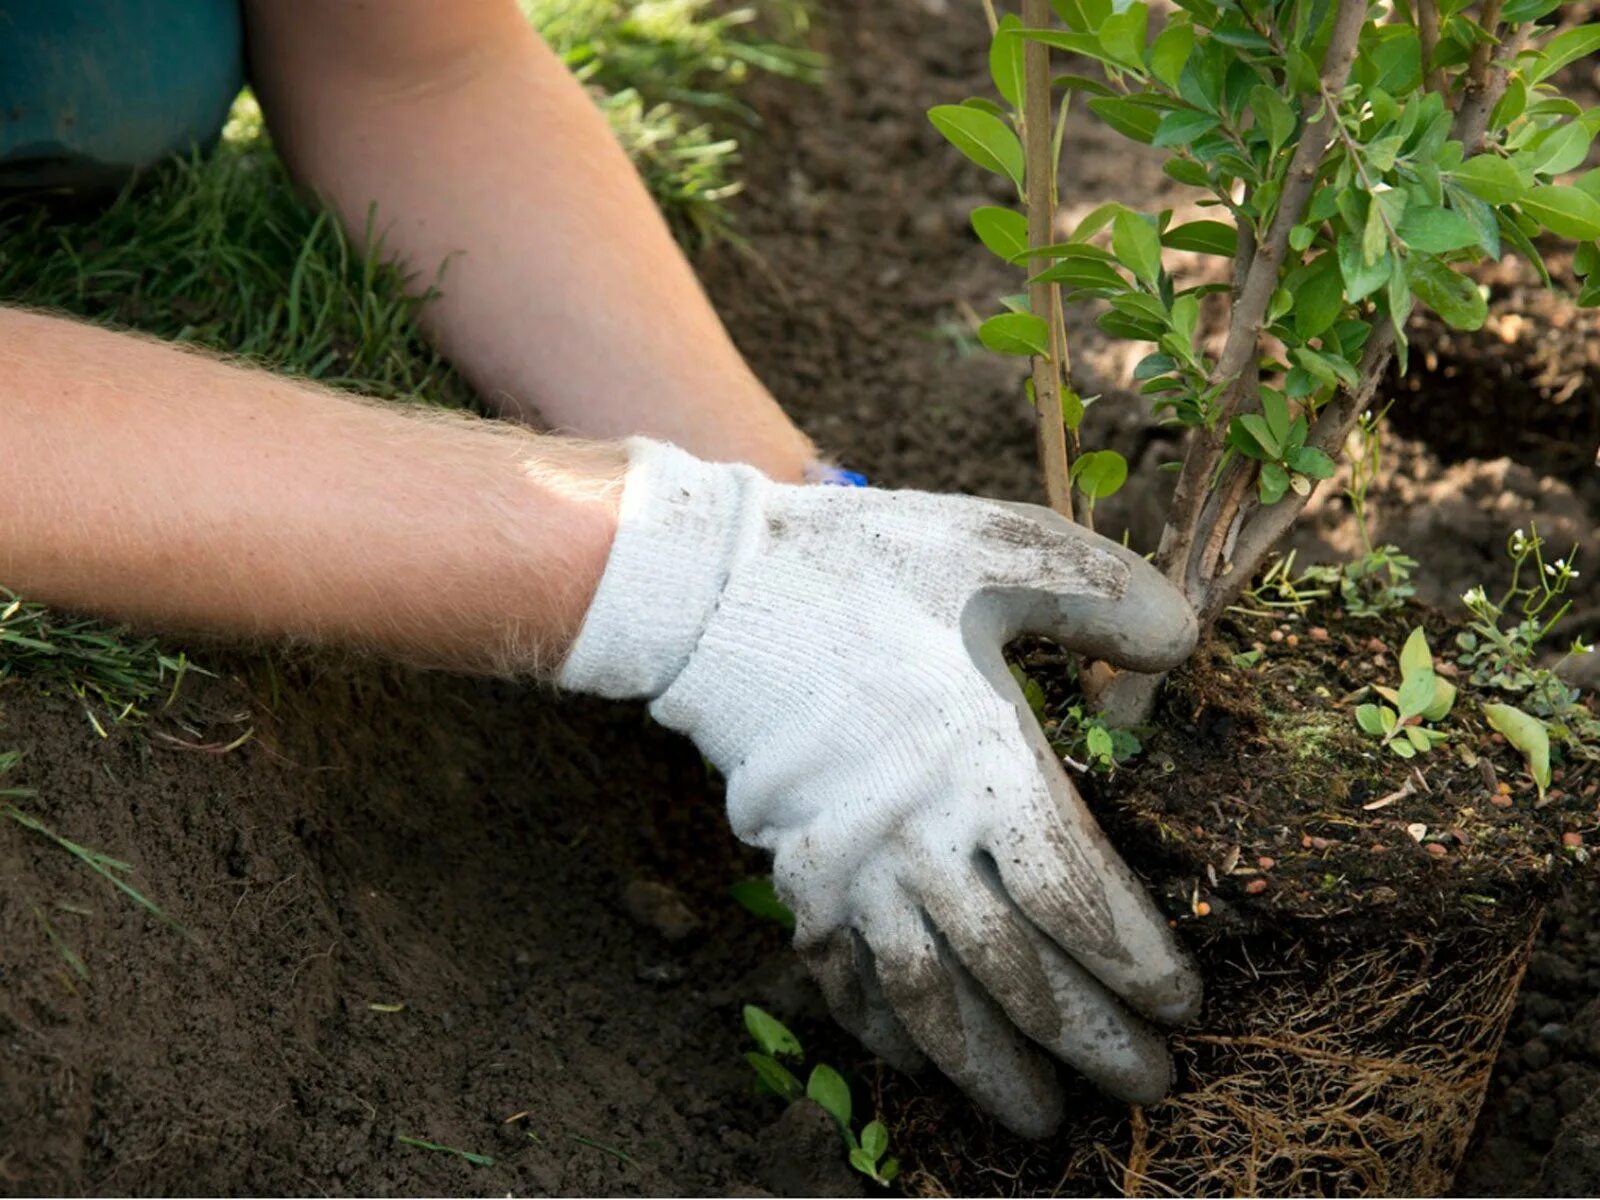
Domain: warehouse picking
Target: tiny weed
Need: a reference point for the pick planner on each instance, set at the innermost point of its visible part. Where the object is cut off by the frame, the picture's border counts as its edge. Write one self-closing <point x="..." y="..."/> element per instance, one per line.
<point x="825" y="1087"/>
<point x="1422" y="697"/>
<point x="477" y="1160"/>
<point x="1500" y="649"/>
<point x="621" y="1156"/>
<point x="104" y="865"/>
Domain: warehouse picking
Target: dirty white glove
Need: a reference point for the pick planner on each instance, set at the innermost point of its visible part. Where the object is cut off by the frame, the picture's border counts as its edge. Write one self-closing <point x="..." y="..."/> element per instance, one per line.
<point x="836" y="653"/>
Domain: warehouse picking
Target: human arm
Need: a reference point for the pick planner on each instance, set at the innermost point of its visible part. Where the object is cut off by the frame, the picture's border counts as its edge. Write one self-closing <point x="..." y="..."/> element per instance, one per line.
<point x="166" y="487"/>
<point x="565" y="298"/>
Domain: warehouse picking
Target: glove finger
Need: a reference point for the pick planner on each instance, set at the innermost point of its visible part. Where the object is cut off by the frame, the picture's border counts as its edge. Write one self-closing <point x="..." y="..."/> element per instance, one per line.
<point x="1066" y="878"/>
<point x="1092" y="596"/>
<point x="1047" y="995"/>
<point x="843" y="968"/>
<point x="958" y="1026"/>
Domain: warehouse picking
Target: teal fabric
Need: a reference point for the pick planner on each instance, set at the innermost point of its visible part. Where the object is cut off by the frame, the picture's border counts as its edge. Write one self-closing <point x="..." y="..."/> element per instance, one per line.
<point x="93" y="89"/>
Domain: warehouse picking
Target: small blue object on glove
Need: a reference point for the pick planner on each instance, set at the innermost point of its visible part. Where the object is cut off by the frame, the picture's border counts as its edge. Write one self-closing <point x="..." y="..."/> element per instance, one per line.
<point x="832" y="476"/>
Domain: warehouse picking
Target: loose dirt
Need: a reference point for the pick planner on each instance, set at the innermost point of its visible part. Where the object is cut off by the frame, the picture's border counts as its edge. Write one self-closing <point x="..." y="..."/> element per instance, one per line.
<point x="481" y="854"/>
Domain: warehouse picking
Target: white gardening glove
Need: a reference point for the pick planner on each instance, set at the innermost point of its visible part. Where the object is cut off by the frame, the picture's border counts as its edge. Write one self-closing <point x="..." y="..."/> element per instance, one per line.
<point x="836" y="653"/>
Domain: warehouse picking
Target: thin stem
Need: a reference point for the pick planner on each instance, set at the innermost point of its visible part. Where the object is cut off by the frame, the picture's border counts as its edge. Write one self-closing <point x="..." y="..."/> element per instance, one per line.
<point x="1044" y="298"/>
<point x="1427" y="14"/>
<point x="1237" y="366"/>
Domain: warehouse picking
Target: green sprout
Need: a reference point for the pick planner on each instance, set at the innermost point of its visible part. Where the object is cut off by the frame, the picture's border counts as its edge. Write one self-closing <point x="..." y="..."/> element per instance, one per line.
<point x="824" y="1087"/>
<point x="1422" y="697"/>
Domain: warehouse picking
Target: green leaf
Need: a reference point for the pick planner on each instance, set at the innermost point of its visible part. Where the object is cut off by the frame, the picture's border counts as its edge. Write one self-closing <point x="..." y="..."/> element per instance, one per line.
<point x="985" y="105"/>
<point x="1256" y="425"/>
<point x="1319" y="299"/>
<point x="1273" y="115"/>
<point x="1415" y="655"/>
<point x="771" y="1034"/>
<point x="1273" y="483"/>
<point x="1436" y="230"/>
<point x="1182" y="126"/>
<point x="1015" y="333"/>
<point x="982" y="137"/>
<point x="1528" y="734"/>
<point x="828" y="1088"/>
<point x="1100" y="473"/>
<point x="761" y="898"/>
<point x="1361" y="278"/>
<point x="1416" y="693"/>
<point x="875" y="1140"/>
<point x="1203" y="237"/>
<point x="1005" y="61"/>
<point x="1308" y="460"/>
<point x="1095" y="220"/>
<point x="1136" y="121"/>
<point x="1370" y="719"/>
<point x="774" y="1076"/>
<point x="1444" y="699"/>
<point x="1100" y="743"/>
<point x="1562" y="49"/>
<point x="1072" y="408"/>
<point x="1450" y="294"/>
<point x="1137" y="246"/>
<point x="1518" y="11"/>
<point x="1568" y="211"/>
<point x="1562" y="150"/>
<point x="864" y="1162"/>
<point x="1123" y="34"/>
<point x="1403" y="748"/>
<point x="1276" y="412"/>
<point x="1419" y="737"/>
<point x="1170" y="51"/>
<point x="1493" y="180"/>
<point x="1082" y="273"/>
<point x="1086" y="44"/>
<point x="1186" y="171"/>
<point x="1003" y="231"/>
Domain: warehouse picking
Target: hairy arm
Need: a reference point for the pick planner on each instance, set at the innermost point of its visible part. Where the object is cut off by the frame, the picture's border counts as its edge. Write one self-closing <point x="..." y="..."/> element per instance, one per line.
<point x="146" y="483"/>
<point x="565" y="298"/>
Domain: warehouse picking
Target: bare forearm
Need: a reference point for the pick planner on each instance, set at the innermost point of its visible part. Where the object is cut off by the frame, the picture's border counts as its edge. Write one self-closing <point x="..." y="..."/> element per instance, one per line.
<point x="149" y="484"/>
<point x="564" y="298"/>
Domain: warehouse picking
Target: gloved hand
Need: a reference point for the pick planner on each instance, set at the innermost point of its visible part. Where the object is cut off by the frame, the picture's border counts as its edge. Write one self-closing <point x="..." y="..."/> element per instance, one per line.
<point x="836" y="653"/>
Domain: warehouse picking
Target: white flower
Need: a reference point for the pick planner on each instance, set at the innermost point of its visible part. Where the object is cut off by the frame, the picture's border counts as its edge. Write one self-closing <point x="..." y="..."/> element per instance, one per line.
<point x="1473" y="597"/>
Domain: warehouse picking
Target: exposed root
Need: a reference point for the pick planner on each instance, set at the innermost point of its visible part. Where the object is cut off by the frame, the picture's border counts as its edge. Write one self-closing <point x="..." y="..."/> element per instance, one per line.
<point x="1363" y="1079"/>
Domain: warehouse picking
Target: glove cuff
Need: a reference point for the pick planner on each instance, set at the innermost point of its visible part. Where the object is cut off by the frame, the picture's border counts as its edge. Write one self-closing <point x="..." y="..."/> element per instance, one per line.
<point x="678" y="530"/>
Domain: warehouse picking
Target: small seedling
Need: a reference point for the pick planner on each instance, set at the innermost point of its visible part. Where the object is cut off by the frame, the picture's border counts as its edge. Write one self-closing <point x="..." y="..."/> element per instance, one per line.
<point x="825" y="1087"/>
<point x="1422" y="697"/>
<point x="758" y="896"/>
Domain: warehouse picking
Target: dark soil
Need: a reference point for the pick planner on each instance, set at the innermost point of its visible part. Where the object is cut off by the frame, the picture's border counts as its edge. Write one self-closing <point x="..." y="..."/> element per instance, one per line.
<point x="476" y="852"/>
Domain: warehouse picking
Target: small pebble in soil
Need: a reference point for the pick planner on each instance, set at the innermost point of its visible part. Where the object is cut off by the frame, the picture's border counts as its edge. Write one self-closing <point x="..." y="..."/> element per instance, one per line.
<point x="1572" y="840"/>
<point x="1437" y="849"/>
<point x="1255" y="887"/>
<point x="1265" y="863"/>
<point x="660" y="908"/>
<point x="1318" y="633"/>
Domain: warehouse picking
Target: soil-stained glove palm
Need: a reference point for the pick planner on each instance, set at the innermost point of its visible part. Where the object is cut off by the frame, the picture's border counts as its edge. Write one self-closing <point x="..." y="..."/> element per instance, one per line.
<point x="837" y="654"/>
